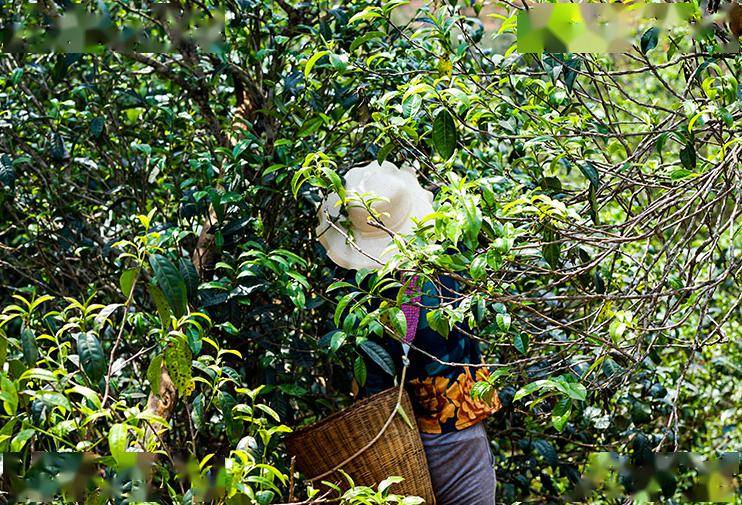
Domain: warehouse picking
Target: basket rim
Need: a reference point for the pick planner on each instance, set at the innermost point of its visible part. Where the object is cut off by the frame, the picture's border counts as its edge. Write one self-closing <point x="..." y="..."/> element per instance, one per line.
<point x="343" y="413"/>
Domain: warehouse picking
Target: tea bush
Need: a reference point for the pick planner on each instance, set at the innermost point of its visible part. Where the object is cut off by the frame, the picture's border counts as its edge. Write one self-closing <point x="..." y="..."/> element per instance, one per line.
<point x="163" y="290"/>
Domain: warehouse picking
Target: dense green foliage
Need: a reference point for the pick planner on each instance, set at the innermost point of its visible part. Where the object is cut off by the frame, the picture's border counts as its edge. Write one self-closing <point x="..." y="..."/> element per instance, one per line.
<point x="161" y="210"/>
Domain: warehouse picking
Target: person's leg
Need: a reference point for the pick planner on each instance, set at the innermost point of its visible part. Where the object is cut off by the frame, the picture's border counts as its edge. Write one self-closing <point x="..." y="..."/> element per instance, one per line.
<point x="461" y="467"/>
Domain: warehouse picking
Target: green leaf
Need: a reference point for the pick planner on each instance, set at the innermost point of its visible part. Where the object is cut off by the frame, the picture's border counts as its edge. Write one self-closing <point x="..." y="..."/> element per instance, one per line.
<point x="163" y="308"/>
<point x="154" y="373"/>
<point x="444" y="134"/>
<point x="96" y="126"/>
<point x="58" y="150"/>
<point x="92" y="359"/>
<point x="118" y="442"/>
<point x="105" y="313"/>
<point x="292" y="390"/>
<point x="438" y="322"/>
<point x="178" y="358"/>
<point x="384" y="152"/>
<point x="649" y="39"/>
<point x="3" y="348"/>
<point x="86" y="393"/>
<point x="688" y="156"/>
<point x="589" y="171"/>
<point x="503" y="321"/>
<point x="190" y="277"/>
<point x="19" y="441"/>
<point x="576" y="391"/>
<point x="265" y="408"/>
<point x="593" y="200"/>
<point x="561" y="412"/>
<point x="680" y="173"/>
<point x="8" y="395"/>
<point x="339" y="62"/>
<point x="398" y="321"/>
<point x="401" y="412"/>
<point x="197" y="411"/>
<point x="337" y="340"/>
<point x="520" y="342"/>
<point x="344" y="301"/>
<point x="313" y="60"/>
<point x="170" y="280"/>
<point x="568" y="385"/>
<point x="386" y="483"/>
<point x="379" y="355"/>
<point x="126" y="281"/>
<point x="478" y="267"/>
<point x="30" y="349"/>
<point x="54" y="399"/>
<point x="482" y="390"/>
<point x="359" y="371"/>
<point x="530" y="388"/>
<point x="359" y="41"/>
<point x="368" y="13"/>
<point x="38" y="374"/>
<point x="7" y="172"/>
<point x="411" y="105"/>
<point x="547" y="451"/>
<point x="551" y="248"/>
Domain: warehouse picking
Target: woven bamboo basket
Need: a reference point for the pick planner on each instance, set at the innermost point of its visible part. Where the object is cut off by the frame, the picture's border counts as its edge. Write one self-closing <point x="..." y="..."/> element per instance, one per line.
<point x="321" y="447"/>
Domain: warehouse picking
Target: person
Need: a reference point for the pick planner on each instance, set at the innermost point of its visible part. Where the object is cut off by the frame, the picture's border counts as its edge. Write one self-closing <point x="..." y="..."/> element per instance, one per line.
<point x="442" y="369"/>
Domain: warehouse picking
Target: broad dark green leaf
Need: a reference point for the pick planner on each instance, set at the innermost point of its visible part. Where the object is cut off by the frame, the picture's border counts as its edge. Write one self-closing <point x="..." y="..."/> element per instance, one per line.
<point x="444" y="134"/>
<point x="649" y="39"/>
<point x="547" y="451"/>
<point x="171" y="282"/>
<point x="92" y="358"/>
<point x="589" y="171"/>
<point x="190" y="277"/>
<point x="688" y="156"/>
<point x="96" y="126"/>
<point x="379" y="355"/>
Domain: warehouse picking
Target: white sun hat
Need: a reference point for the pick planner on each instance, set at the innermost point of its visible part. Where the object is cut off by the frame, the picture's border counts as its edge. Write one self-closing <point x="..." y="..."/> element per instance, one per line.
<point x="394" y="194"/>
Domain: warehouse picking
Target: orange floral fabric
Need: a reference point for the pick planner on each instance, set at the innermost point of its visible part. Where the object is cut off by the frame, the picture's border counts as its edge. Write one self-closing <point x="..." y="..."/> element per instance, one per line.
<point x="443" y="404"/>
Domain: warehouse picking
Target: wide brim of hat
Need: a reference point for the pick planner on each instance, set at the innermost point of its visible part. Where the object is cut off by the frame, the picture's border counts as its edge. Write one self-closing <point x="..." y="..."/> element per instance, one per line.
<point x="376" y="247"/>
